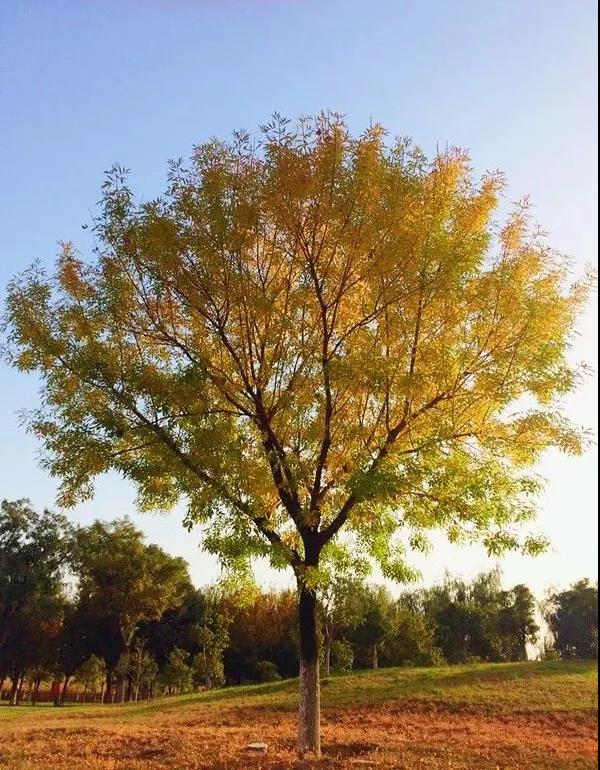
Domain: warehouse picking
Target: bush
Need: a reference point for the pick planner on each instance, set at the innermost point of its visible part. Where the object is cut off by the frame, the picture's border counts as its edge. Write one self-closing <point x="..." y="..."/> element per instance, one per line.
<point x="432" y="657"/>
<point x="176" y="675"/>
<point x="342" y="655"/>
<point x="267" y="671"/>
<point x="549" y="651"/>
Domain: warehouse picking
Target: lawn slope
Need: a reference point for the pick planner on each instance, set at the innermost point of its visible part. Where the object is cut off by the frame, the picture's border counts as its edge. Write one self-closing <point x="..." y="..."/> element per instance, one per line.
<point x="527" y="715"/>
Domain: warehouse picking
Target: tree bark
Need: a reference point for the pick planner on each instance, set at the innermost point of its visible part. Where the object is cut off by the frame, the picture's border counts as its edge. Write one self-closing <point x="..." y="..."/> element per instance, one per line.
<point x="375" y="658"/>
<point x="108" y="690"/>
<point x="63" y="693"/>
<point x="128" y="692"/>
<point x="36" y="690"/>
<point x="328" y="641"/>
<point x="309" y="712"/>
<point x="14" y="693"/>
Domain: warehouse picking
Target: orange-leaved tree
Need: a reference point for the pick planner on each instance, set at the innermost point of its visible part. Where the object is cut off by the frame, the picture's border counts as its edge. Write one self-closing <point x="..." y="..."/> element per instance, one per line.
<point x="304" y="335"/>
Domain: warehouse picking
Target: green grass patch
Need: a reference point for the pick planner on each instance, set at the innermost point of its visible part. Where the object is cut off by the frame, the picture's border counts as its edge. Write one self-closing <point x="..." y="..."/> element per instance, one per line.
<point x="513" y="687"/>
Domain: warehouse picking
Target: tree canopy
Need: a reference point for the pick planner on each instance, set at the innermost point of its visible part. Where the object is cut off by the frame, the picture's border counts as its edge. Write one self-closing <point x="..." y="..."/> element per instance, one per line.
<point x="33" y="561"/>
<point x="312" y="331"/>
<point x="126" y="580"/>
<point x="572" y="616"/>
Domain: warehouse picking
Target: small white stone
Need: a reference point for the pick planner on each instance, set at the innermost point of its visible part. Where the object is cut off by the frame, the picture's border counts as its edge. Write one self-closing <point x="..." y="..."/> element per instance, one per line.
<point x="262" y="747"/>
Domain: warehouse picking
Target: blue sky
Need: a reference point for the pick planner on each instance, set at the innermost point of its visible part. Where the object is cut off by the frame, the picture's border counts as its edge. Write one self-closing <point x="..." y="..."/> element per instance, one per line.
<point x="85" y="84"/>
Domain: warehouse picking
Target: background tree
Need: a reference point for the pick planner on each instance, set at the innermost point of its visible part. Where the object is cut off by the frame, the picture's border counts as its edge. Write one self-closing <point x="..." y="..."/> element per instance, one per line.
<point x="207" y="663"/>
<point x="126" y="580"/>
<point x="177" y="675"/>
<point x="33" y="558"/>
<point x="90" y="629"/>
<point x="517" y="625"/>
<point x="138" y="669"/>
<point x="342" y="655"/>
<point x="265" y="629"/>
<point x="33" y="648"/>
<point x="91" y="674"/>
<point x="450" y="611"/>
<point x="411" y="637"/>
<point x="176" y="627"/>
<point x="572" y="616"/>
<point x="339" y="592"/>
<point x="478" y="620"/>
<point x="305" y="334"/>
<point x="375" y="624"/>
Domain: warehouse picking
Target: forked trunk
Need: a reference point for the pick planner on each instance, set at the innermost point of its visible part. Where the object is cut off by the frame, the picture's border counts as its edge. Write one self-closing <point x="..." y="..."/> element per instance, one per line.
<point x="309" y="712"/>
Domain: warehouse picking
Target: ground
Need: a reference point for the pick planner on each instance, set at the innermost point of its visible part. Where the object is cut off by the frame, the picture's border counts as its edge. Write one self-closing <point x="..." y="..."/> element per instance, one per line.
<point x="530" y="716"/>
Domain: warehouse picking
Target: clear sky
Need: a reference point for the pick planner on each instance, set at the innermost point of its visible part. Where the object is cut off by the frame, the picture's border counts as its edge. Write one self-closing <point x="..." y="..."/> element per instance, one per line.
<point x="85" y="84"/>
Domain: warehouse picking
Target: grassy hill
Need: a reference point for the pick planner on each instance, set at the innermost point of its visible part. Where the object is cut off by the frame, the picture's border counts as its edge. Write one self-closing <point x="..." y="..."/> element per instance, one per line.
<point x="527" y="715"/>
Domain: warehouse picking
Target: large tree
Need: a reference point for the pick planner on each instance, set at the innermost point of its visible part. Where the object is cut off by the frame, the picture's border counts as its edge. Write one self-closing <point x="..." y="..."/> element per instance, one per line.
<point x="307" y="334"/>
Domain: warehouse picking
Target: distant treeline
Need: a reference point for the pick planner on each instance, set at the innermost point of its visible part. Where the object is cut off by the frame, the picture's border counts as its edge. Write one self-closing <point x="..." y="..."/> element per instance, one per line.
<point x="97" y="614"/>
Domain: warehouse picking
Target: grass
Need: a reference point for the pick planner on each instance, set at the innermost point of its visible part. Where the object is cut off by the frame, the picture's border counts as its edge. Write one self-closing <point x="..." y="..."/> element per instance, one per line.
<point x="508" y="716"/>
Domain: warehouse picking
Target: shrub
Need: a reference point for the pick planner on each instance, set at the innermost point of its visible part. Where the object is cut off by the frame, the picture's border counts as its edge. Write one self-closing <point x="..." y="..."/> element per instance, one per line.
<point x="431" y="657"/>
<point x="267" y="671"/>
<point x="342" y="655"/>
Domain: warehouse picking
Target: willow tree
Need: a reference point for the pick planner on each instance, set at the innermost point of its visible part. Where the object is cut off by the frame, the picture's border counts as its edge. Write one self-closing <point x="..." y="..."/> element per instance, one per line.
<point x="307" y="337"/>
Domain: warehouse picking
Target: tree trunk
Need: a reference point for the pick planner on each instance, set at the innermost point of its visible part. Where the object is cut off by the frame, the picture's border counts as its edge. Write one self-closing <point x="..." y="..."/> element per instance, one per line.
<point x="123" y="684"/>
<point x="14" y="692"/>
<point x="309" y="713"/>
<point x="63" y="694"/>
<point x="523" y="649"/>
<point x="36" y="690"/>
<point x="375" y="657"/>
<point x="108" y="689"/>
<point x="55" y="693"/>
<point x="328" y="640"/>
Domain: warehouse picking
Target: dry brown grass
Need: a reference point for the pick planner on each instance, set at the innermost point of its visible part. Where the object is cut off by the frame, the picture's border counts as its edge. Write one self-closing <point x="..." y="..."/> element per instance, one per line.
<point x="450" y="718"/>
